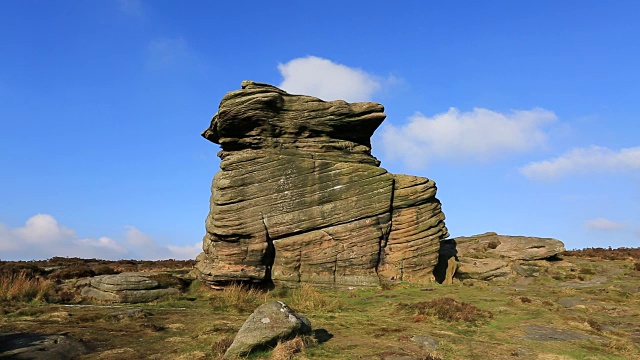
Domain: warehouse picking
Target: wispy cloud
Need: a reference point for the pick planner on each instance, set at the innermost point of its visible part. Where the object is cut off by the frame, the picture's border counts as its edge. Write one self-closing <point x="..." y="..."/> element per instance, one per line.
<point x="100" y="245"/>
<point x="131" y="7"/>
<point x="43" y="237"/>
<point x="185" y="252"/>
<point x="163" y="53"/>
<point x="594" y="159"/>
<point x="603" y="224"/>
<point x="480" y="134"/>
<point x="327" y="80"/>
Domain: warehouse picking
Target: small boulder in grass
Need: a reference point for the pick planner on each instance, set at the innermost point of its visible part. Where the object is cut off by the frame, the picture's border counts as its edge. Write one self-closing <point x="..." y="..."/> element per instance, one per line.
<point x="269" y="323"/>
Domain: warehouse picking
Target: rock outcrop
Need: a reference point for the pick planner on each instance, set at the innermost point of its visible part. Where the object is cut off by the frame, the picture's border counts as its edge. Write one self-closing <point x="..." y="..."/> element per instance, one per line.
<point x="491" y="256"/>
<point x="125" y="288"/>
<point x="300" y="198"/>
<point x="40" y="347"/>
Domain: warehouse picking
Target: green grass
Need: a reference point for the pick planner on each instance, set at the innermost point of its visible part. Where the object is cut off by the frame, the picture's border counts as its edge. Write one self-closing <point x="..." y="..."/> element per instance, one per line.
<point x="366" y="323"/>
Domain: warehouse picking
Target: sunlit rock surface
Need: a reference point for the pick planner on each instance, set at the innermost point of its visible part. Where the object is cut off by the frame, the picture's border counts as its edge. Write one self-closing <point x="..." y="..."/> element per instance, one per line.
<point x="300" y="198"/>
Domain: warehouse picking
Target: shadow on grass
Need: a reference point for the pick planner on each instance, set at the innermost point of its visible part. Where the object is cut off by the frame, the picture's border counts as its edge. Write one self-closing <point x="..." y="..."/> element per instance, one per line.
<point x="322" y="335"/>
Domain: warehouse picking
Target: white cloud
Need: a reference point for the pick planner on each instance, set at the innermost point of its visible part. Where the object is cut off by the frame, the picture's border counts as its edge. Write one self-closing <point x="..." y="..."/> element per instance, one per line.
<point x="43" y="237"/>
<point x="327" y="80"/>
<point x="43" y="228"/>
<point x="6" y="242"/>
<point x="480" y="134"/>
<point x="584" y="161"/>
<point x="603" y="224"/>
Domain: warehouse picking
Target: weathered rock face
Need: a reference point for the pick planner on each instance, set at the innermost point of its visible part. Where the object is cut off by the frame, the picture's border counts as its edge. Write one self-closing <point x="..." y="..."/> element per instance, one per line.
<point x="491" y="256"/>
<point x="40" y="347"/>
<point x="510" y="247"/>
<point x="300" y="198"/>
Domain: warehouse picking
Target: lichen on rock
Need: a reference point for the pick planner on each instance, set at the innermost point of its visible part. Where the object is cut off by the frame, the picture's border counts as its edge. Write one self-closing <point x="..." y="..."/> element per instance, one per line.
<point x="300" y="198"/>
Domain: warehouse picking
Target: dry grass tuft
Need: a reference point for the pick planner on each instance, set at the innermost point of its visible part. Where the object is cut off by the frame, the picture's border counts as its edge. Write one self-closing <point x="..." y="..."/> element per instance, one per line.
<point x="447" y="309"/>
<point x="430" y="357"/>
<point x="525" y="300"/>
<point x="286" y="350"/>
<point x="220" y="347"/>
<point x="309" y="299"/>
<point x="238" y="297"/>
<point x="493" y="244"/>
<point x="623" y="346"/>
<point x="23" y="287"/>
<point x="594" y="325"/>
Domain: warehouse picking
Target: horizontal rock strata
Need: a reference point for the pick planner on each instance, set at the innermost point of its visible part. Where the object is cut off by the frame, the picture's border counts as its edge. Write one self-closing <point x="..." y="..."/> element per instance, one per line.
<point x="125" y="288"/>
<point x="491" y="256"/>
<point x="300" y="198"/>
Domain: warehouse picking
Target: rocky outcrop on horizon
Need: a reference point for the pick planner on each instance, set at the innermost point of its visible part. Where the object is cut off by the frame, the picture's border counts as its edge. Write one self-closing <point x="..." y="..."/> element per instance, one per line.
<point x="490" y="256"/>
<point x="300" y="198"/>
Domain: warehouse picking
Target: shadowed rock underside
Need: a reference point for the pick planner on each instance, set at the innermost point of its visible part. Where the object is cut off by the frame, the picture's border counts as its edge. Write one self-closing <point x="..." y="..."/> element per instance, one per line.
<point x="300" y="198"/>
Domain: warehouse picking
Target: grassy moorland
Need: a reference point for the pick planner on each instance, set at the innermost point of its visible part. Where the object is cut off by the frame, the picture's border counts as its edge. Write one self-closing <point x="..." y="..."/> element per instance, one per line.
<point x="585" y="306"/>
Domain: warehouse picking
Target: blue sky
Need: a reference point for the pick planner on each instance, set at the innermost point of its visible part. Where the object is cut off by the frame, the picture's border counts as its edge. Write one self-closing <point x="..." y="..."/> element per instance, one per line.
<point x="525" y="113"/>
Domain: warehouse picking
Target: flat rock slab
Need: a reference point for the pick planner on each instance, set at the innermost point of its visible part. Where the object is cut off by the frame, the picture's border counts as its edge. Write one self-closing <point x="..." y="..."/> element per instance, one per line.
<point x="483" y="269"/>
<point x="571" y="302"/>
<point x="128" y="296"/>
<point x="543" y="333"/>
<point x="428" y="342"/>
<point x="39" y="347"/>
<point x="511" y="247"/>
<point x="123" y="281"/>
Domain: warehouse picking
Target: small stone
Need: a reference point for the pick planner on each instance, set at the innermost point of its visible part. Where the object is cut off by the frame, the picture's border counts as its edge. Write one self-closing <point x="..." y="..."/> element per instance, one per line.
<point x="571" y="302"/>
<point x="428" y="342"/>
<point x="543" y="333"/>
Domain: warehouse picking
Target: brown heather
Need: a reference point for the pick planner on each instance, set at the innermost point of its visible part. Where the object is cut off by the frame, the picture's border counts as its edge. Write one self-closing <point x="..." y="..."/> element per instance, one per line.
<point x="447" y="309"/>
<point x="23" y="287"/>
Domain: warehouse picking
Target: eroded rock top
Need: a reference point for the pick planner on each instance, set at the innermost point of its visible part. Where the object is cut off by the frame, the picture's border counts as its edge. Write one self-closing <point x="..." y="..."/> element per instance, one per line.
<point x="261" y="116"/>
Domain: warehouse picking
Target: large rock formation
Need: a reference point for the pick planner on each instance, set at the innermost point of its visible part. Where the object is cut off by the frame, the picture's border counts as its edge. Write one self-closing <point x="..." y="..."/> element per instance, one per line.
<point x="490" y="256"/>
<point x="300" y="198"/>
